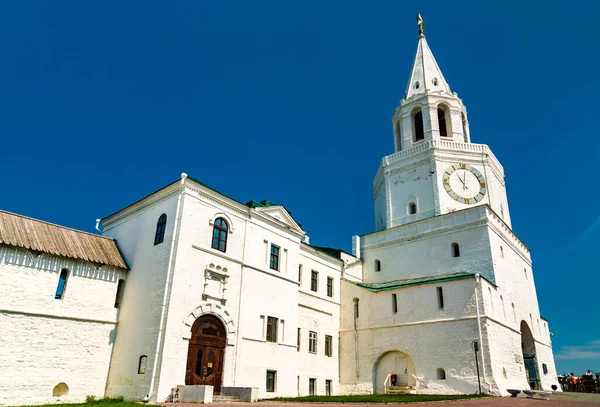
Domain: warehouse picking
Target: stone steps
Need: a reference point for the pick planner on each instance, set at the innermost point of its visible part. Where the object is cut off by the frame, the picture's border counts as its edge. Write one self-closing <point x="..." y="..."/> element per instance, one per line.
<point x="227" y="399"/>
<point x="401" y="390"/>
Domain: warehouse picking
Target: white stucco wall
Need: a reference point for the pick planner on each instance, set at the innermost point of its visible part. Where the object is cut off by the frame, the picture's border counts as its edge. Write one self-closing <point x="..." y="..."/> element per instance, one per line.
<point x="45" y="341"/>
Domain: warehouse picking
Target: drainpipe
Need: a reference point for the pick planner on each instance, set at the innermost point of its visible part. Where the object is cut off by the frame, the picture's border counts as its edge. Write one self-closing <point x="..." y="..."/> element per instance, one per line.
<point x="477" y="278"/>
<point x="161" y="326"/>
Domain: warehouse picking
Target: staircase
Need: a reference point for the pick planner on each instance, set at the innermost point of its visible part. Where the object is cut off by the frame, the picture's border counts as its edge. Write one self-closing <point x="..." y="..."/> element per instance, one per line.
<point x="227" y="399"/>
<point x="400" y="390"/>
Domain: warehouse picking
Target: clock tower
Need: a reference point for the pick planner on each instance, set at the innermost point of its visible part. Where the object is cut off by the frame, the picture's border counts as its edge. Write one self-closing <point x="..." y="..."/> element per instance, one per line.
<point x="435" y="169"/>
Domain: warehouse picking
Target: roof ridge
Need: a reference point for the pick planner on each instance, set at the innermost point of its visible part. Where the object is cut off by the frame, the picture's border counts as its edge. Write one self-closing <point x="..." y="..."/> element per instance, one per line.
<point x="54" y="224"/>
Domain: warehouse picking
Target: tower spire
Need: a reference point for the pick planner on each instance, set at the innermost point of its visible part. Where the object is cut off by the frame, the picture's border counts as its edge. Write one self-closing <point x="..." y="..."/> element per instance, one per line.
<point x="425" y="75"/>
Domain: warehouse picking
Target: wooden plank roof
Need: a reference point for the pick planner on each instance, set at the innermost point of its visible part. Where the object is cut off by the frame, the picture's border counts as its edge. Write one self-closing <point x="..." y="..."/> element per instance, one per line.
<point x="32" y="234"/>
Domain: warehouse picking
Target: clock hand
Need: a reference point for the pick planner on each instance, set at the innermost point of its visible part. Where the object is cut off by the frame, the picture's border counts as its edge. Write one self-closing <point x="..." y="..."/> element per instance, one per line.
<point x="465" y="181"/>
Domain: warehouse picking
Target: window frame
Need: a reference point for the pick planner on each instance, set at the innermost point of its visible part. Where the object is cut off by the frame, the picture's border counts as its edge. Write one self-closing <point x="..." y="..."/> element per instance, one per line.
<point x="330" y="287"/>
<point x="273" y="374"/>
<point x="312" y="386"/>
<point x="271" y="334"/>
<point x="328" y="345"/>
<point x="312" y="342"/>
<point x="274" y="257"/>
<point x="314" y="281"/>
<point x="328" y="386"/>
<point x="161" y="227"/>
<point x="455" y="249"/>
<point x="142" y="364"/>
<point x="418" y="125"/>
<point x="222" y="233"/>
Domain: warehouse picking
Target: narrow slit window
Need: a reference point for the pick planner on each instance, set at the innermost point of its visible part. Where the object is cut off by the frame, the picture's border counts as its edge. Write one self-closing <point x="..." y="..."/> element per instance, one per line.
<point x="300" y="274"/>
<point x="330" y="286"/>
<point x="442" y="121"/>
<point x="161" y="226"/>
<point x="377" y="265"/>
<point x="355" y="308"/>
<point x="299" y="339"/>
<point x="412" y="208"/>
<point x="62" y="284"/>
<point x="142" y="364"/>
<point x="455" y="250"/>
<point x="440" y="297"/>
<point x="119" y="296"/>
<point x="394" y="304"/>
<point x="314" y="281"/>
<point x="328" y="345"/>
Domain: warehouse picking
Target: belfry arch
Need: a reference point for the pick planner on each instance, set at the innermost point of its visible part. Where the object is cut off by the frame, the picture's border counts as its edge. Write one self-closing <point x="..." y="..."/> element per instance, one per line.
<point x="529" y="356"/>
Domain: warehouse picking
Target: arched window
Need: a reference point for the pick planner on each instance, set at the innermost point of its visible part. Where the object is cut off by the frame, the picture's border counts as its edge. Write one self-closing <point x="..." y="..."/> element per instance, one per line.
<point x="142" y="364"/>
<point x="61" y="389"/>
<point x="398" y="136"/>
<point x="455" y="250"/>
<point x="418" y="123"/>
<point x="62" y="284"/>
<point x="412" y="208"/>
<point x="441" y="112"/>
<point x="417" y="84"/>
<point x="434" y="81"/>
<point x="219" y="239"/>
<point x="355" y="308"/>
<point x="161" y="225"/>
<point x="377" y="265"/>
<point x="465" y="129"/>
<point x="441" y="373"/>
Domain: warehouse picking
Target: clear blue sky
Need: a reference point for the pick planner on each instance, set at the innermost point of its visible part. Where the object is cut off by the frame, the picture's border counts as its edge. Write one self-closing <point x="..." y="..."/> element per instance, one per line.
<point x="103" y="103"/>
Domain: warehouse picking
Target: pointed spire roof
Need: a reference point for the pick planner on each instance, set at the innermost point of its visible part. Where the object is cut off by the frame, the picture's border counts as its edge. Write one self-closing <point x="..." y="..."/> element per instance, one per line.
<point x="426" y="75"/>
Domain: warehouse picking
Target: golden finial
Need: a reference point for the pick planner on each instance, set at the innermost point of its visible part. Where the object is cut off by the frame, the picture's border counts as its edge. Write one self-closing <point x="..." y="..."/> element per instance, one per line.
<point x="421" y="25"/>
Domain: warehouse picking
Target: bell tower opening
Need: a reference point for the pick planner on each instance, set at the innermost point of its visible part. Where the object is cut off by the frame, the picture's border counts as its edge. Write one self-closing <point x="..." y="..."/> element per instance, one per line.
<point x="442" y="113"/>
<point x="418" y="124"/>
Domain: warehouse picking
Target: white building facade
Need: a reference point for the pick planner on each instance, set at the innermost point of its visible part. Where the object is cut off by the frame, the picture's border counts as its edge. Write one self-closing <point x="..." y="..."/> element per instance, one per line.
<point x="190" y="287"/>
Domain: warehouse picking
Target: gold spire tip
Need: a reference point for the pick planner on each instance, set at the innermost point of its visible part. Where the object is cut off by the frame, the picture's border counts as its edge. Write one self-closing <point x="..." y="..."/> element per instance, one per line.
<point x="421" y="25"/>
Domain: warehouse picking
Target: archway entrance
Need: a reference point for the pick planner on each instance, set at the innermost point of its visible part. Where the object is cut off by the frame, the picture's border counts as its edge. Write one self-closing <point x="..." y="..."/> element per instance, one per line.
<point x="206" y="352"/>
<point x="529" y="359"/>
<point x="393" y="363"/>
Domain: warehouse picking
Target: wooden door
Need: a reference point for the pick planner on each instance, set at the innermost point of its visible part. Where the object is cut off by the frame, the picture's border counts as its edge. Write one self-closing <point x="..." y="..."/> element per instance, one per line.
<point x="206" y="353"/>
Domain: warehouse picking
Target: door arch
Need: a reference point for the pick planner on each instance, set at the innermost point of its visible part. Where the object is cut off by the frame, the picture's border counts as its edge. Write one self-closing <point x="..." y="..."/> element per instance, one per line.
<point x="529" y="357"/>
<point x="393" y="362"/>
<point x="206" y="352"/>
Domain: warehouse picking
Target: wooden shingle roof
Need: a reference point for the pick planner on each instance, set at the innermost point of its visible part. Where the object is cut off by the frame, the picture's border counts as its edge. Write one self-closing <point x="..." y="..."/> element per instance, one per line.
<point x="32" y="234"/>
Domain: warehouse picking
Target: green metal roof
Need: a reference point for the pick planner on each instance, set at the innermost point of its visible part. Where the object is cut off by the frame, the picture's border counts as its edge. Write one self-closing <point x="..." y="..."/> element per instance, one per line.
<point x="392" y="285"/>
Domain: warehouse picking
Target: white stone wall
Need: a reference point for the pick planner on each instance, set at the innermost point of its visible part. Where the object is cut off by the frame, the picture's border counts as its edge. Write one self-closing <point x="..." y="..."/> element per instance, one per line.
<point x="134" y="229"/>
<point x="45" y="341"/>
<point x="431" y="338"/>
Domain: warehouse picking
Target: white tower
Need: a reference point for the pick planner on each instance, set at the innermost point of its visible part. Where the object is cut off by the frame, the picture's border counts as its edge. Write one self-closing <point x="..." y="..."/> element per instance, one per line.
<point x="435" y="168"/>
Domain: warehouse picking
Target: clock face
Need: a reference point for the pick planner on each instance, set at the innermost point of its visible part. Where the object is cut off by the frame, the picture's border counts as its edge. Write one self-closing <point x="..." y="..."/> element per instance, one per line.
<point x="464" y="183"/>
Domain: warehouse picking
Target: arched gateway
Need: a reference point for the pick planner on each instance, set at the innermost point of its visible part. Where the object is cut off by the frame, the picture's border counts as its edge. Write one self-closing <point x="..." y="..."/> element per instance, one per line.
<point x="206" y="353"/>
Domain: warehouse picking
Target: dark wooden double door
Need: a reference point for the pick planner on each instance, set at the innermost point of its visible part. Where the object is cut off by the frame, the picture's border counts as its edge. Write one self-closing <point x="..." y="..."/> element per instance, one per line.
<point x="206" y="352"/>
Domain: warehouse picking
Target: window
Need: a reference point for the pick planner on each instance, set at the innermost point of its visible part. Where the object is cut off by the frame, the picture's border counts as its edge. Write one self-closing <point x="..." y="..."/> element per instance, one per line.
<point x="434" y="81"/>
<point x="299" y="339"/>
<point x="440" y="297"/>
<point x="272" y="329"/>
<point x="455" y="250"/>
<point x="161" y="225"/>
<point x="62" y="284"/>
<point x="312" y="342"/>
<point x="441" y="374"/>
<point x="271" y="380"/>
<point x="355" y="308"/>
<point x="417" y="84"/>
<point x="119" y="296"/>
<point x="412" y="208"/>
<point x="328" y="387"/>
<point x="398" y="136"/>
<point x="300" y="273"/>
<point x="394" y="304"/>
<point x="501" y="252"/>
<point x="377" y="265"/>
<point x="274" y="263"/>
<point x="219" y="239"/>
<point x="514" y="312"/>
<point x="312" y="384"/>
<point x="330" y="286"/>
<point x="441" y="111"/>
<point x="328" y="345"/>
<point x="525" y="271"/>
<point x="314" y="281"/>
<point x="545" y="368"/>
<point x="418" y="122"/>
<point x="142" y="364"/>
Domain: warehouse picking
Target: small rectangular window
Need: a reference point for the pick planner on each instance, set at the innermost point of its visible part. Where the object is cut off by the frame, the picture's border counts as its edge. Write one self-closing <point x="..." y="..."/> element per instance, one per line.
<point x="328" y="345"/>
<point x="62" y="284"/>
<point x="330" y="286"/>
<point x="328" y="387"/>
<point x="300" y="274"/>
<point x="312" y="342"/>
<point x="119" y="296"/>
<point x="394" y="304"/>
<point x="282" y="330"/>
<point x="312" y="386"/>
<point x="142" y="364"/>
<point x="299" y="339"/>
<point x="274" y="263"/>
<point x="545" y="368"/>
<point x="314" y="281"/>
<point x="271" y="329"/>
<point x="440" y="296"/>
<point x="271" y="380"/>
